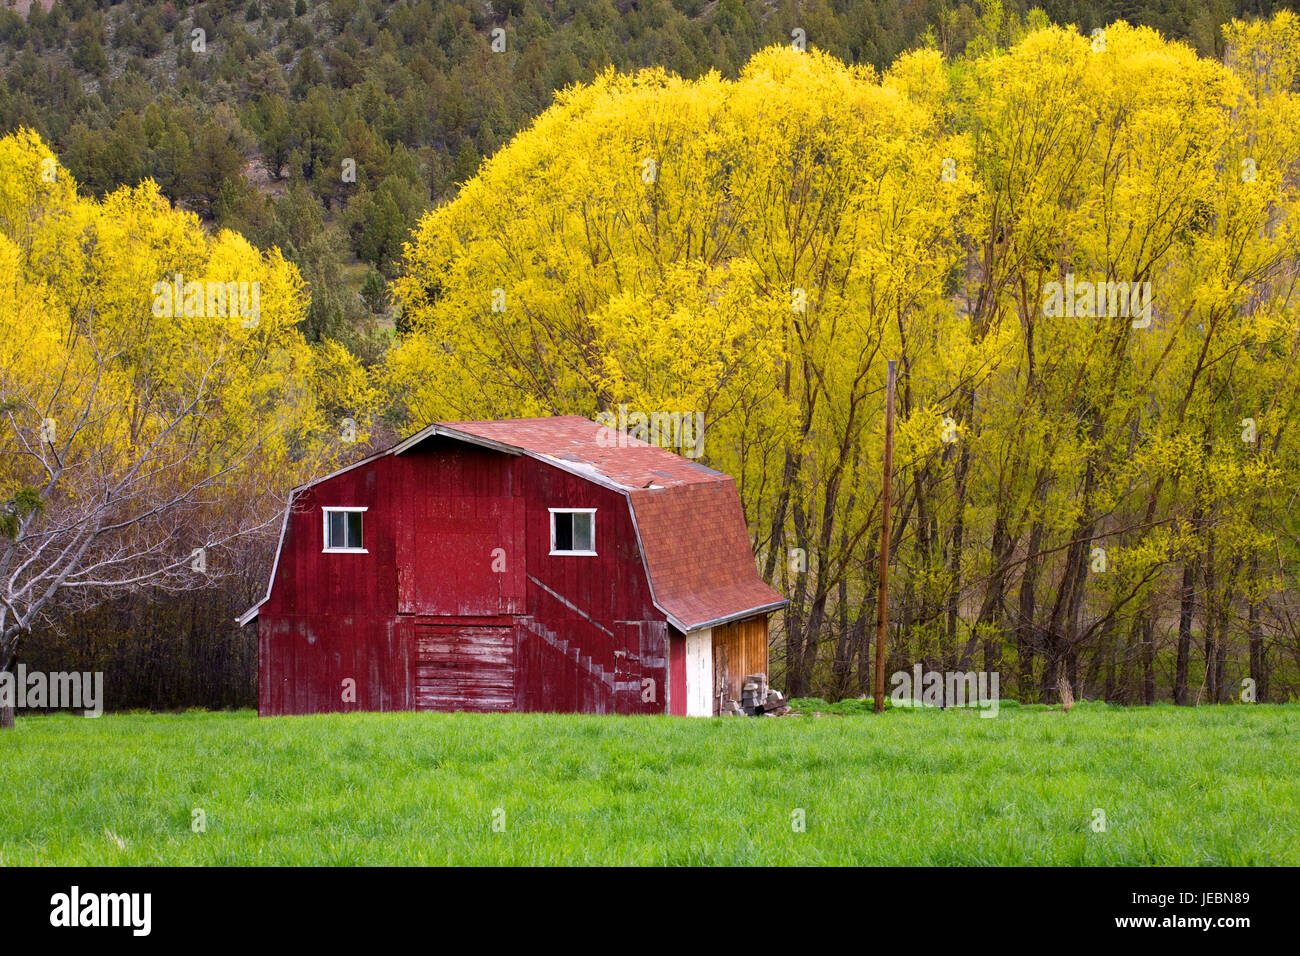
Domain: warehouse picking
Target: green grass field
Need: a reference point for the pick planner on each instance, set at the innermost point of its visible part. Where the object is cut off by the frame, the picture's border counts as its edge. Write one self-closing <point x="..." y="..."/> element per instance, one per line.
<point x="1215" y="785"/>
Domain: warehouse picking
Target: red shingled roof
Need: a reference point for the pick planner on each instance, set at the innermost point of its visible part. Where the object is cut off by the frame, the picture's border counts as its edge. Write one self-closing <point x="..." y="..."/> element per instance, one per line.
<point x="698" y="555"/>
<point x="693" y="536"/>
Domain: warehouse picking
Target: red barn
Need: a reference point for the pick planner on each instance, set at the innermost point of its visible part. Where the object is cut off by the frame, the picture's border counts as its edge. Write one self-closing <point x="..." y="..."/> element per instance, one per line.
<point x="543" y="564"/>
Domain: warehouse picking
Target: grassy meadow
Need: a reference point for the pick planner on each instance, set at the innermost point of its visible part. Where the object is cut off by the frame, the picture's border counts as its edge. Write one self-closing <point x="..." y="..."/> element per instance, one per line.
<point x="1212" y="785"/>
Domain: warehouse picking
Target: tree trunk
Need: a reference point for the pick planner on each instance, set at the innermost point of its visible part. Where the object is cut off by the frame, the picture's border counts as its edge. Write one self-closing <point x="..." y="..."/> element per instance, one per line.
<point x="1102" y="657"/>
<point x="991" y="620"/>
<point x="1185" y="608"/>
<point x="1258" y="671"/>
<point x="864" y="636"/>
<point x="842" y="662"/>
<point x="7" y="708"/>
<point x="992" y="655"/>
<point x="1025" y="620"/>
<point x="1210" y="619"/>
<point x="1108" y="689"/>
<point x="1220" y="671"/>
<point x="1211" y="691"/>
<point x="1148" y="661"/>
<point x="958" y="542"/>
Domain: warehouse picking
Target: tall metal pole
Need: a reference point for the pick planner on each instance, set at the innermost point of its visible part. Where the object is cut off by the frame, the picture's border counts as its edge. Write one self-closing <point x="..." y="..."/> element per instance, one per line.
<point x="886" y="496"/>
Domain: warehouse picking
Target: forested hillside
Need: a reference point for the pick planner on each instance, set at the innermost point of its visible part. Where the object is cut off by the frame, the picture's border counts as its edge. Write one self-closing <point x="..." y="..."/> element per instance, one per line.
<point x="748" y="229"/>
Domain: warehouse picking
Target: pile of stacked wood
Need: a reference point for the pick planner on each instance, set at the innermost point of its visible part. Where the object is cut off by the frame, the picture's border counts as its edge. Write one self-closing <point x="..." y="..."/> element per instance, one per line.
<point x="756" y="700"/>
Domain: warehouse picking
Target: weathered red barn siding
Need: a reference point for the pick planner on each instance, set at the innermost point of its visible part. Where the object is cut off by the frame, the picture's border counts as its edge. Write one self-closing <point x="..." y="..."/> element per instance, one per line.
<point x="465" y="667"/>
<point x="460" y="510"/>
<point x="676" y="673"/>
<point x="594" y="633"/>
<point x="308" y="581"/>
<point x="330" y="617"/>
<point x="302" y="665"/>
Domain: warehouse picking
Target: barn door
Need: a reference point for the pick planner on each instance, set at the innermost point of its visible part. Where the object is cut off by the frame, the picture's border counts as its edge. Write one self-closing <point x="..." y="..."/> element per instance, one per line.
<point x="464" y="668"/>
<point x="739" y="649"/>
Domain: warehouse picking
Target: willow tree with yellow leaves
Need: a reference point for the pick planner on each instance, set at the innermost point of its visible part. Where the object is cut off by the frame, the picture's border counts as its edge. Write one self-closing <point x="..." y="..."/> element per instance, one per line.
<point x="1079" y="249"/>
<point x="154" y="391"/>
<point x="1120" y="161"/>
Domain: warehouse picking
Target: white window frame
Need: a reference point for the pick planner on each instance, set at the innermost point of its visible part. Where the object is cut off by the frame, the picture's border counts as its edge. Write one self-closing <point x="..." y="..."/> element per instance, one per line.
<point x="574" y="511"/>
<point x="325" y="530"/>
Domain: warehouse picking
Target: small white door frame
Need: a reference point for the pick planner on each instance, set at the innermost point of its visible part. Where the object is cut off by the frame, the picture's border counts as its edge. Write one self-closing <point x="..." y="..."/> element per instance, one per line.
<point x="699" y="673"/>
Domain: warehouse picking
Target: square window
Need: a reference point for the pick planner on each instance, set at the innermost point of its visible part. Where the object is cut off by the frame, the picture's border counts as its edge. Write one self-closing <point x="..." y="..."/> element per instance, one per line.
<point x="573" y="531"/>
<point x="343" y="529"/>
